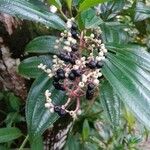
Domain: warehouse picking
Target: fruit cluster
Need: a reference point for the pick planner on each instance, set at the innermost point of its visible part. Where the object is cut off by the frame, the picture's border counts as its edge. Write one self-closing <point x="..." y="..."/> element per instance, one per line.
<point x="73" y="70"/>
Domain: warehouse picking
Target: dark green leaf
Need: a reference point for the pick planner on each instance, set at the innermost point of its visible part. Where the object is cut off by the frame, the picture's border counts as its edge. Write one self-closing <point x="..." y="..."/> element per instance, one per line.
<point x="29" y="67"/>
<point x="129" y="80"/>
<point x="38" y="117"/>
<point x="26" y="10"/>
<point x="72" y="143"/>
<point x="13" y="117"/>
<point x="142" y="12"/>
<point x="110" y="103"/>
<point x="110" y="9"/>
<point x="85" y="4"/>
<point x="42" y="44"/>
<point x="37" y="143"/>
<point x="89" y="19"/>
<point x="114" y="33"/>
<point x="9" y="134"/>
<point x="85" y="130"/>
<point x="14" y="101"/>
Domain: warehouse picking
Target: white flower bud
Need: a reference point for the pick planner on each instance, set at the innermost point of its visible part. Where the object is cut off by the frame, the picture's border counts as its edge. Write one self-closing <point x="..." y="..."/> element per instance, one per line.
<point x="99" y="74"/>
<point x="47" y="105"/>
<point x="98" y="58"/>
<point x="75" y="67"/>
<point x="48" y="71"/>
<point x="96" y="81"/>
<point x="67" y="43"/>
<point x="81" y="84"/>
<point x="57" y="41"/>
<point x="92" y="35"/>
<point x="74" y="41"/>
<point x="101" y="53"/>
<point x="56" y="47"/>
<point x="50" y="75"/>
<point x="78" y="62"/>
<point x="51" y="110"/>
<point x="53" y="9"/>
<point x="105" y="50"/>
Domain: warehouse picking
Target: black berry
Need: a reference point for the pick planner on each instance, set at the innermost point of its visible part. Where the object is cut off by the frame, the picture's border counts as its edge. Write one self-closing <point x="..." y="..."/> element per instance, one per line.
<point x="74" y="34"/>
<point x="61" y="56"/>
<point x="89" y="94"/>
<point x="58" y="86"/>
<point x="99" y="64"/>
<point x="71" y="76"/>
<point x="74" y="48"/>
<point x="74" y="26"/>
<point x="77" y="73"/>
<point x="62" y="112"/>
<point x="57" y="109"/>
<point x="91" y="64"/>
<point x="90" y="86"/>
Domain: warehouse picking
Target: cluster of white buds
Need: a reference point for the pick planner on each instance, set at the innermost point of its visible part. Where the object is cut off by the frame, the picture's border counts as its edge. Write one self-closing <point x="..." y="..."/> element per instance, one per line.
<point x="72" y="71"/>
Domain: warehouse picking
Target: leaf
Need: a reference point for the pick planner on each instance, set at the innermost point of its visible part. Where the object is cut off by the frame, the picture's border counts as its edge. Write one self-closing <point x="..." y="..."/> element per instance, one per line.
<point x="42" y="44"/>
<point x="56" y="3"/>
<point x="9" y="134"/>
<point x="29" y="67"/>
<point x="110" y="103"/>
<point x="14" y="101"/>
<point x="38" y="117"/>
<point x="142" y="12"/>
<point x="129" y="80"/>
<point x="114" y="33"/>
<point x="89" y="19"/>
<point x="85" y="130"/>
<point x="69" y="4"/>
<point x="37" y="143"/>
<point x="26" y="10"/>
<point x="85" y="4"/>
<point x="110" y="9"/>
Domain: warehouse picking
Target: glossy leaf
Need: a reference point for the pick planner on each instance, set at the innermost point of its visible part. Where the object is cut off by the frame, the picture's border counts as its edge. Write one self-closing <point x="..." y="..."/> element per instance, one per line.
<point x="9" y="134"/>
<point x="27" y="10"/>
<point x="88" y="19"/>
<point x="130" y="80"/>
<point x="114" y="33"/>
<point x="42" y="44"/>
<point x="110" y="103"/>
<point x="110" y="9"/>
<point x="29" y="67"/>
<point x="142" y="12"/>
<point x="85" y="4"/>
<point x="38" y="117"/>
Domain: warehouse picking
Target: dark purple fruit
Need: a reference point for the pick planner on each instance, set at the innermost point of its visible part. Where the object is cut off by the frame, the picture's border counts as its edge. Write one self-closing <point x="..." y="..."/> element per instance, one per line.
<point x="58" y="86"/>
<point x="99" y="64"/>
<point x="74" y="48"/>
<point x="71" y="76"/>
<point x="91" y="64"/>
<point x="89" y="94"/>
<point x="90" y="86"/>
<point x="74" y="26"/>
<point x="74" y="34"/>
<point x="77" y="73"/>
<point x="57" y="109"/>
<point x="62" y="112"/>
